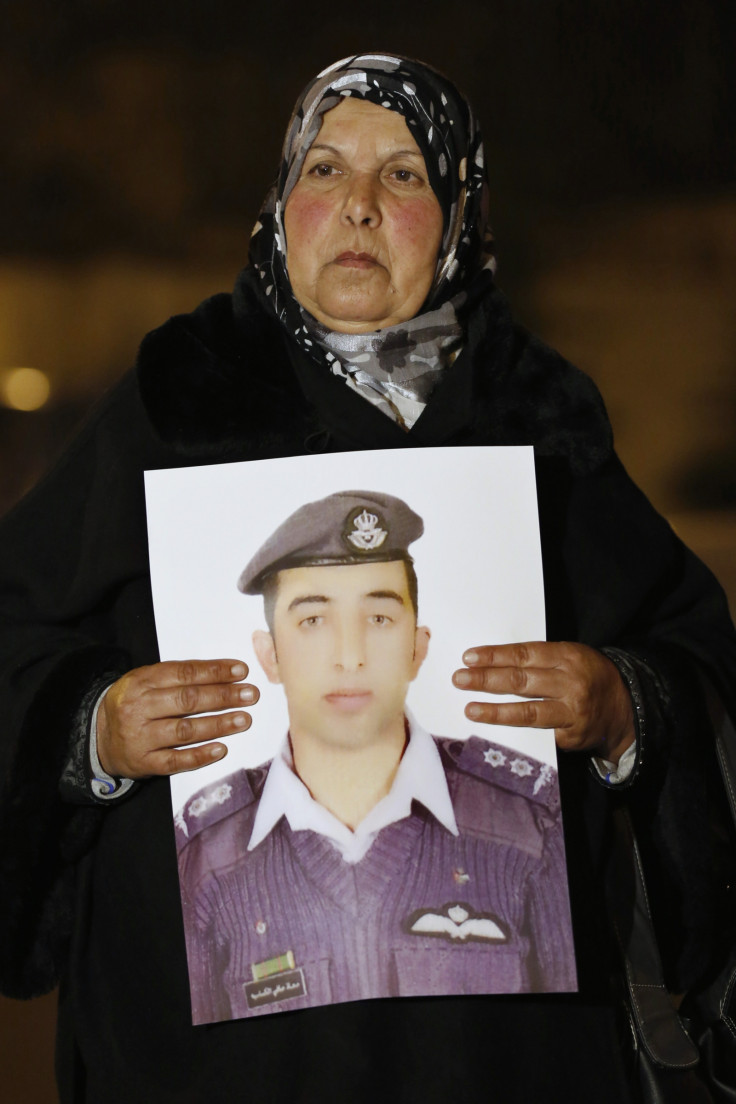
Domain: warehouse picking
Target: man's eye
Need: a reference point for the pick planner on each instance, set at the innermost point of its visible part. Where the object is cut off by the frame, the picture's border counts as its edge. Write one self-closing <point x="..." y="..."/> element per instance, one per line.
<point x="380" y="619"/>
<point x="310" y="622"/>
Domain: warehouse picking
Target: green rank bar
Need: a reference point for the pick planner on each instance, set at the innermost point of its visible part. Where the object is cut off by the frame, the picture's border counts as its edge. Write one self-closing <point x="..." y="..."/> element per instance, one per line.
<point x="272" y="966"/>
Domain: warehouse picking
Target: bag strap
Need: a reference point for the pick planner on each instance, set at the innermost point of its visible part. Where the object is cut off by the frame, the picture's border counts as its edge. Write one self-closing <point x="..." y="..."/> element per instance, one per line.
<point x="725" y="741"/>
<point x="658" y="1025"/>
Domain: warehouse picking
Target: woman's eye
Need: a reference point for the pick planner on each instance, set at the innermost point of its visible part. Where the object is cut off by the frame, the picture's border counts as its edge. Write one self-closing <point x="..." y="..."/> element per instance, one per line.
<point x="322" y="171"/>
<point x="404" y="176"/>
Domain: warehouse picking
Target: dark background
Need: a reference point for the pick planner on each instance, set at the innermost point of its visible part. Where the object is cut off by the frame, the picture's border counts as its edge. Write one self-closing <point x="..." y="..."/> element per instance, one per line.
<point x="139" y="136"/>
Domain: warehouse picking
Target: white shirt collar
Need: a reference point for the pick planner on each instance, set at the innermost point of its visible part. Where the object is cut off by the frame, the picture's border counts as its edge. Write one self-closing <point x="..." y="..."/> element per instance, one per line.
<point x="420" y="777"/>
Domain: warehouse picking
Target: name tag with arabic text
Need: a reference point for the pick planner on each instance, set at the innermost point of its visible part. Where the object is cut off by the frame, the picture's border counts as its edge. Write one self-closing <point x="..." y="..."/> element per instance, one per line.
<point x="278" y="987"/>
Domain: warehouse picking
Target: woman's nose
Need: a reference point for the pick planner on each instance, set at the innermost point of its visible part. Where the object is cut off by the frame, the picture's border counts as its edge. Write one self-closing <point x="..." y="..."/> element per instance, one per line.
<point x="361" y="206"/>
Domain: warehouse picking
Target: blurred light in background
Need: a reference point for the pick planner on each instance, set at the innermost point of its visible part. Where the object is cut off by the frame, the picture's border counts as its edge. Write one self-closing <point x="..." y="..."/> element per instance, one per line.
<point x="24" y="388"/>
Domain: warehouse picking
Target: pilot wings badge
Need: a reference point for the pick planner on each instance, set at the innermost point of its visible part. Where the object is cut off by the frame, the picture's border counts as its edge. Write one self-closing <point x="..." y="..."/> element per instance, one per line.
<point x="457" y="923"/>
<point x="367" y="533"/>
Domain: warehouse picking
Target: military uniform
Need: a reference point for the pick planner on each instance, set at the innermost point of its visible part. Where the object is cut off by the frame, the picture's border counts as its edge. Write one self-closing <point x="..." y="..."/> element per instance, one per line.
<point x="290" y="924"/>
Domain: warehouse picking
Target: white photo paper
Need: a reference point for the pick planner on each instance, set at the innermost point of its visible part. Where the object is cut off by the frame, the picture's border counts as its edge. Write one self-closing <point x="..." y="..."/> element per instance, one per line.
<point x="363" y="838"/>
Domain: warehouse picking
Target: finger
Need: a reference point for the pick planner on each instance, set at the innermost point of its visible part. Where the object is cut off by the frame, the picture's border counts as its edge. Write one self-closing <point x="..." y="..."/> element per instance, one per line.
<point x="527" y="682"/>
<point x="531" y="653"/>
<point x="173" y="732"/>
<point x="177" y="760"/>
<point x="167" y="758"/>
<point x="527" y="714"/>
<point x="192" y="672"/>
<point x="180" y="700"/>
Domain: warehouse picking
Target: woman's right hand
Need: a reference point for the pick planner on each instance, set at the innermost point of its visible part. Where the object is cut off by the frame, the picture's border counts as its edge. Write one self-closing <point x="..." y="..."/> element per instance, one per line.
<point x="146" y="716"/>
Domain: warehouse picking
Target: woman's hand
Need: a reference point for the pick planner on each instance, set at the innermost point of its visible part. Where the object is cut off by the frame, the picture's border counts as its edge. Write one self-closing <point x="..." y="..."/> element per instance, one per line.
<point x="144" y="717"/>
<point x="576" y="690"/>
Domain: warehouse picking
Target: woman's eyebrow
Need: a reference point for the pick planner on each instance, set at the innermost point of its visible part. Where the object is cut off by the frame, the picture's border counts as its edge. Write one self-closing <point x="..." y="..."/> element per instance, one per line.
<point x="339" y="153"/>
<point x="322" y="146"/>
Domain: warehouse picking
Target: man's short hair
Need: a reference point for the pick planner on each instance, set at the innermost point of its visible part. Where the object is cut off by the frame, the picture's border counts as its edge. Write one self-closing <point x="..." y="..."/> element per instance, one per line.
<point x="270" y="591"/>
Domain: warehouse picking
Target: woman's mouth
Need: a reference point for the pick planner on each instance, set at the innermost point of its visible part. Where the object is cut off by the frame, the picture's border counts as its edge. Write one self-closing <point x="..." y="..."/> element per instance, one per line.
<point x="356" y="260"/>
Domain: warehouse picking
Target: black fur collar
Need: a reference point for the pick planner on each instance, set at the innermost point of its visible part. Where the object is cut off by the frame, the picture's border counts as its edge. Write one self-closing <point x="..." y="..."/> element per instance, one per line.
<point x="222" y="382"/>
<point x="213" y="379"/>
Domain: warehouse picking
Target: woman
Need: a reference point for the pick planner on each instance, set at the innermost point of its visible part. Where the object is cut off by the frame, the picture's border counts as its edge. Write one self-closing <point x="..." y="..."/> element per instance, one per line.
<point x="367" y="318"/>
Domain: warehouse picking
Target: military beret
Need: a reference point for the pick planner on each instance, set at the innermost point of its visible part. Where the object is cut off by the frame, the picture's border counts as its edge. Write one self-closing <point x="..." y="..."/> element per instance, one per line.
<point x="348" y="527"/>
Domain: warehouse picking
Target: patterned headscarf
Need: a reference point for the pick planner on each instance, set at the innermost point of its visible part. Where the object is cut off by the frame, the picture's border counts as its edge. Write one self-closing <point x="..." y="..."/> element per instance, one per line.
<point x="395" y="368"/>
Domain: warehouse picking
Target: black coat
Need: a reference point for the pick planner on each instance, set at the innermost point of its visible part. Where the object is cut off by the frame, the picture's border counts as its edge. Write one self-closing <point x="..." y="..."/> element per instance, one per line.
<point x="90" y="894"/>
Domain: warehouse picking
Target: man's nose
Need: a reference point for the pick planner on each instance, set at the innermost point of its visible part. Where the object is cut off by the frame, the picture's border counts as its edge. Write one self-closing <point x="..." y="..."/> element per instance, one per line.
<point x="362" y="206"/>
<point x="349" y="647"/>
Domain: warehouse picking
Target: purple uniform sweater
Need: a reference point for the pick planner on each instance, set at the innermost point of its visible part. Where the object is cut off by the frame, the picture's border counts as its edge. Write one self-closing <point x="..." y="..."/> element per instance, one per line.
<point x="291" y="924"/>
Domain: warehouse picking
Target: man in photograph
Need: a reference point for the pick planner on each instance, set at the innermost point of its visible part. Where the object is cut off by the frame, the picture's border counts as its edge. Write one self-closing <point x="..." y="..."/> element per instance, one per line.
<point x="368" y="858"/>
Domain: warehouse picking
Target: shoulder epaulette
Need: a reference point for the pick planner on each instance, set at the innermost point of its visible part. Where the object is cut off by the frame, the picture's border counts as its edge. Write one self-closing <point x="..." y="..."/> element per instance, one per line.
<point x="500" y="795"/>
<point x="217" y="801"/>
<point x="502" y="766"/>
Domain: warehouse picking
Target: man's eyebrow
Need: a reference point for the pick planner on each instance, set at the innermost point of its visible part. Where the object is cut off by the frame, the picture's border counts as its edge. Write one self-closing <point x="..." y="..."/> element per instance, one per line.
<point x="323" y="599"/>
<point x="305" y="599"/>
<point x="393" y="594"/>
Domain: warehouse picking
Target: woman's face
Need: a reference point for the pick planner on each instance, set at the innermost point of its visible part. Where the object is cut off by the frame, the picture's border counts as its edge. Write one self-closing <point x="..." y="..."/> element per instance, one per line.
<point x="363" y="226"/>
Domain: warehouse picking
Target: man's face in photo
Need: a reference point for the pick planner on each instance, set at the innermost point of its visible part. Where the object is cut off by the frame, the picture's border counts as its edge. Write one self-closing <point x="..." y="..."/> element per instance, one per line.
<point x="345" y="647"/>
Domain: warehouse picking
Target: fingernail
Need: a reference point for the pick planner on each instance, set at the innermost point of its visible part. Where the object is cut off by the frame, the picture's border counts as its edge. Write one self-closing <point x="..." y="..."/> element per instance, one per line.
<point x="246" y="694"/>
<point x="217" y="752"/>
<point x="239" y="720"/>
<point x="473" y="711"/>
<point x="462" y="678"/>
<point x="470" y="657"/>
<point x="238" y="670"/>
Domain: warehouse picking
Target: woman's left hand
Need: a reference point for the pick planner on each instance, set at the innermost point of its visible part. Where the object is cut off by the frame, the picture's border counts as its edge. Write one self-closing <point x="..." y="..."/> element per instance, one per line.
<point x="575" y="690"/>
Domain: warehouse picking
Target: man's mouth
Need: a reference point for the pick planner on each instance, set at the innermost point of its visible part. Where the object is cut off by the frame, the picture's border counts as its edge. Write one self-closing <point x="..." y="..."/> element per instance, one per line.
<point x="348" y="701"/>
<point x="356" y="260"/>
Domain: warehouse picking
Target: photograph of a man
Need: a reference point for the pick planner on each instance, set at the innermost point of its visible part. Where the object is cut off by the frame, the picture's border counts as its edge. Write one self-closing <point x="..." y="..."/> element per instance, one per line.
<point x="369" y="858"/>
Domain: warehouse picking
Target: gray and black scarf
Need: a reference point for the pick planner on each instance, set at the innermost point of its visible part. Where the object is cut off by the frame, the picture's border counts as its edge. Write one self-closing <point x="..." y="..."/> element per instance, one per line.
<point x="395" y="368"/>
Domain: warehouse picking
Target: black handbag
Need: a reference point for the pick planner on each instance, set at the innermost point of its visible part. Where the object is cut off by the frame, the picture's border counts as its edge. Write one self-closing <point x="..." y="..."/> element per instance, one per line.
<point x="685" y="1055"/>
